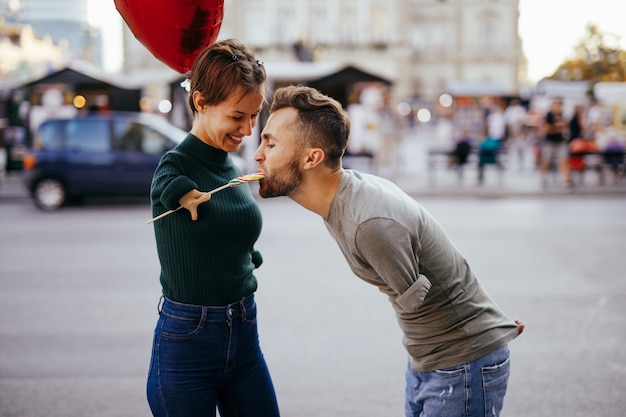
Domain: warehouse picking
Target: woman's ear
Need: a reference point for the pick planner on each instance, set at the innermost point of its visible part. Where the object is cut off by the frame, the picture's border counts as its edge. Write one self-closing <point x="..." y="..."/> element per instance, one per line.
<point x="198" y="101"/>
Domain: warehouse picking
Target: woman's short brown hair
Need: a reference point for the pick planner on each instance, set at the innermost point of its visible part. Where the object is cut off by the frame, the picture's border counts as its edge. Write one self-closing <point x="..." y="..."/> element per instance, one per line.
<point x="223" y="68"/>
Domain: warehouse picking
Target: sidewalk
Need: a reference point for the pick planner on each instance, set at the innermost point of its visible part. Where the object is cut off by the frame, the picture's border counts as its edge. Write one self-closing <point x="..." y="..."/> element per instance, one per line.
<point x="443" y="182"/>
<point x="510" y="182"/>
<point x="13" y="186"/>
<point x="515" y="179"/>
<point x="419" y="176"/>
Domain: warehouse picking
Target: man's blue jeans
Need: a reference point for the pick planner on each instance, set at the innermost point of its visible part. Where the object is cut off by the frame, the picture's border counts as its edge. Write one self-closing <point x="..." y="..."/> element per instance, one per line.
<point x="475" y="389"/>
<point x="206" y="357"/>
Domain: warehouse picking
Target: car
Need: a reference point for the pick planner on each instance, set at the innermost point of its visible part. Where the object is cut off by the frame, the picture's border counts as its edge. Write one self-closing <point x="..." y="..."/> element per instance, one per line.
<point x="97" y="154"/>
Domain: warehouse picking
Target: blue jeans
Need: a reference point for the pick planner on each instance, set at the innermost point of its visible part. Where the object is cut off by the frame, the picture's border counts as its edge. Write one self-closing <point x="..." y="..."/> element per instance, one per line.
<point x="206" y="357"/>
<point x="475" y="389"/>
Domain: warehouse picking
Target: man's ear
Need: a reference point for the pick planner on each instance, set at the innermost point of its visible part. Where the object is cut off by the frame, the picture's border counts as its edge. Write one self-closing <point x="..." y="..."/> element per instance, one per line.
<point x="313" y="157"/>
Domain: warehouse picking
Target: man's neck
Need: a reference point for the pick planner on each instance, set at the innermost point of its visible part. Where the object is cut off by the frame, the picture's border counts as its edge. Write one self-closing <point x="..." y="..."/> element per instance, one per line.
<point x="317" y="191"/>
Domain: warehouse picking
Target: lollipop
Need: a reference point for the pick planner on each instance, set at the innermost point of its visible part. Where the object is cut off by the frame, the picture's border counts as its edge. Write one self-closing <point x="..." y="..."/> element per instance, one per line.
<point x="232" y="183"/>
<point x="246" y="178"/>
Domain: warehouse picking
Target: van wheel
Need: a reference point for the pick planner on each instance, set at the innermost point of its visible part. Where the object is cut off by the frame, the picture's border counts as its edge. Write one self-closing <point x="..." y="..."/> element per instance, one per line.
<point x="49" y="194"/>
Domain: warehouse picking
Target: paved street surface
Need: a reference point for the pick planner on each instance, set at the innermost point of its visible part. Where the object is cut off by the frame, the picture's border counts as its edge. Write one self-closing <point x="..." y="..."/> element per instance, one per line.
<point x="79" y="292"/>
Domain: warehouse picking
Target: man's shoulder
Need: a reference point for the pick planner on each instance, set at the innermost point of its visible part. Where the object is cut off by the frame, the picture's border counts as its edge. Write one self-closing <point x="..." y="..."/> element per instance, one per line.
<point x="367" y="196"/>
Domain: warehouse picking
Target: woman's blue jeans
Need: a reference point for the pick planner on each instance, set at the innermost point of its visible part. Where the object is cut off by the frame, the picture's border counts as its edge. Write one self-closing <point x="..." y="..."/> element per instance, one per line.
<point x="206" y="357"/>
<point x="475" y="389"/>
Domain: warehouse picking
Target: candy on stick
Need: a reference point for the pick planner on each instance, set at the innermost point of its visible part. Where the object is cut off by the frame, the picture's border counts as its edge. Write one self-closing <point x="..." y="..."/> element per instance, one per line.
<point x="232" y="183"/>
<point x="246" y="178"/>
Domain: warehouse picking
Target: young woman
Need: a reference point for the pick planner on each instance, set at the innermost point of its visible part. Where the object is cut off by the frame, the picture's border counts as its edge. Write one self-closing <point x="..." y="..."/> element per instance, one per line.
<point x="206" y="353"/>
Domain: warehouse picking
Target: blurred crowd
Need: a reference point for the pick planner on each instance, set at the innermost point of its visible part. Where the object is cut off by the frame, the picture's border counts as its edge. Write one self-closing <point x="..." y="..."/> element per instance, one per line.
<point x="563" y="141"/>
<point x="562" y="145"/>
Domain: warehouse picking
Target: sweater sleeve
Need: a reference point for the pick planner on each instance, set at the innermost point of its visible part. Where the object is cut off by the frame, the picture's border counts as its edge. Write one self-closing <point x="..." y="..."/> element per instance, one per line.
<point x="170" y="184"/>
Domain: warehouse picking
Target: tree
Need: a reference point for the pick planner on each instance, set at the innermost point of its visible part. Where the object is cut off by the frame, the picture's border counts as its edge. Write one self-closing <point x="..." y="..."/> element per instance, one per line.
<point x="597" y="57"/>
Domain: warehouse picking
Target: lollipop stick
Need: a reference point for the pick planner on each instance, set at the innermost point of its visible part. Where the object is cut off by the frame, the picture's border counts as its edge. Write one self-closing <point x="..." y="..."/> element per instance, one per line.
<point x="160" y="216"/>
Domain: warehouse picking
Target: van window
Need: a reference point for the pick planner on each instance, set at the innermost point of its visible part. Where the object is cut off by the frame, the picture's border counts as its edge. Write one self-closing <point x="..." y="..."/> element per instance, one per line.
<point x="49" y="137"/>
<point x="132" y="136"/>
<point x="86" y="135"/>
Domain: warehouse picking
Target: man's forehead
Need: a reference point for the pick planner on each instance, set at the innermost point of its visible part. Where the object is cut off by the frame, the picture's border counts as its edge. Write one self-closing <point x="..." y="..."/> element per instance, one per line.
<point x="280" y="119"/>
<point x="285" y="114"/>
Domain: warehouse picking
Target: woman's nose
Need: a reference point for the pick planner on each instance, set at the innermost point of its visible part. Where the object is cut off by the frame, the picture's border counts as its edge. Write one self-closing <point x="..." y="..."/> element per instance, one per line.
<point x="257" y="154"/>
<point x="247" y="129"/>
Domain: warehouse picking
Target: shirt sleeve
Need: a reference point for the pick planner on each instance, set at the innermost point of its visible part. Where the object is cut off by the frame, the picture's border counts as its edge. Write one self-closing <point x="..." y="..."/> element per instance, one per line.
<point x="389" y="250"/>
<point x="392" y="252"/>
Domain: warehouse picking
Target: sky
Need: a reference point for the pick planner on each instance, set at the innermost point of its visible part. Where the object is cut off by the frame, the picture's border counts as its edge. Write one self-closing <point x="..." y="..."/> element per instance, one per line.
<point x="549" y="29"/>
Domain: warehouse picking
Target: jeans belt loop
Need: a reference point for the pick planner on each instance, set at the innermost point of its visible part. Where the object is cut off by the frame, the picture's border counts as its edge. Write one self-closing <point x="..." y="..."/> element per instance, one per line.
<point x="160" y="304"/>
<point x="242" y="305"/>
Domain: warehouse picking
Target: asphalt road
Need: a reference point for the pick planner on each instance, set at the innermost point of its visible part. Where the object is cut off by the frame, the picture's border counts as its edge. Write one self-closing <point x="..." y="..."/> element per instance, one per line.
<point x="79" y="291"/>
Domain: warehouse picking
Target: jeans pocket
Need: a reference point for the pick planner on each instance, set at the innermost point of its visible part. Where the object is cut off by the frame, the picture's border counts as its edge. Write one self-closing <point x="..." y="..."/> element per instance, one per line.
<point x="451" y="372"/>
<point x="179" y="328"/>
<point x="495" y="382"/>
<point x="496" y="375"/>
<point x="250" y="315"/>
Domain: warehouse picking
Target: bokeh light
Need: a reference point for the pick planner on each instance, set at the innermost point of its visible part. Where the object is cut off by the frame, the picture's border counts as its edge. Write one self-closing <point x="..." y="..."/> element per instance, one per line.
<point x="79" y="101"/>
<point x="423" y="115"/>
<point x="446" y="100"/>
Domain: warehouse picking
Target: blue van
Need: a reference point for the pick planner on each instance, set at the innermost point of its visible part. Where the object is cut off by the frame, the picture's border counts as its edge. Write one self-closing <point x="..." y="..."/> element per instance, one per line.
<point x="99" y="154"/>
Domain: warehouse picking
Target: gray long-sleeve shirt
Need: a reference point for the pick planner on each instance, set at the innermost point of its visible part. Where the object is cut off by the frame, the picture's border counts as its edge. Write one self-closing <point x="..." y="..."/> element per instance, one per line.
<point x="391" y="241"/>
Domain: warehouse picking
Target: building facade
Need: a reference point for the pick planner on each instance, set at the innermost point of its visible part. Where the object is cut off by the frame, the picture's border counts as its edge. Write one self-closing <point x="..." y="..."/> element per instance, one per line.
<point x="426" y="47"/>
<point x="62" y="22"/>
<point x="24" y="56"/>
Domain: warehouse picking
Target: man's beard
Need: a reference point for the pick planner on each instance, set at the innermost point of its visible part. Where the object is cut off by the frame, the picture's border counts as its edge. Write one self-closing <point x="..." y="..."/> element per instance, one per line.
<point x="282" y="182"/>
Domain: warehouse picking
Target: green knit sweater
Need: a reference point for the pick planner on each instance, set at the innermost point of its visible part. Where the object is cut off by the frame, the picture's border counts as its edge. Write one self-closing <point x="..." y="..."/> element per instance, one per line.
<point x="209" y="261"/>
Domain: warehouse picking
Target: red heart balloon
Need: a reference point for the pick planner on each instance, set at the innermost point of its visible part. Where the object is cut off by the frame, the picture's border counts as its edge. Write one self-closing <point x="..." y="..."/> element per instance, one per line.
<point x="175" y="31"/>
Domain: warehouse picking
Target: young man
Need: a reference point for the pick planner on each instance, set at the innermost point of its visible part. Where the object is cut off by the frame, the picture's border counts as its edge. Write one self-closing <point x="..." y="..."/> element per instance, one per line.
<point x="554" y="149"/>
<point x="455" y="334"/>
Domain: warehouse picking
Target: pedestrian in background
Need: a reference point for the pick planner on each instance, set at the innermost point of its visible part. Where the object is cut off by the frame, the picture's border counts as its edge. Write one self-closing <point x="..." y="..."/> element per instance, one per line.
<point x="576" y="124"/>
<point x="455" y="334"/>
<point x="459" y="155"/>
<point x="554" y="150"/>
<point x="489" y="150"/>
<point x="391" y="134"/>
<point x="517" y="144"/>
<point x="577" y="146"/>
<point x="496" y="122"/>
<point x="206" y="351"/>
<point x="4" y="155"/>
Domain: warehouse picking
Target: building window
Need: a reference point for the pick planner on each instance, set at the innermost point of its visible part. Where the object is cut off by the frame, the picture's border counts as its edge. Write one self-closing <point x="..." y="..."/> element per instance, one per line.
<point x="490" y="30"/>
<point x="381" y="26"/>
<point x="254" y="16"/>
<point x="287" y="26"/>
<point x="418" y="37"/>
<point x="487" y="35"/>
<point x="319" y="29"/>
<point x="349" y="28"/>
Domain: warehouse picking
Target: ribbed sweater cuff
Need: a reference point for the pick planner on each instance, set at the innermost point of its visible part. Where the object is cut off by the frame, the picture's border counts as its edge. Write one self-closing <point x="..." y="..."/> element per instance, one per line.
<point x="175" y="191"/>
